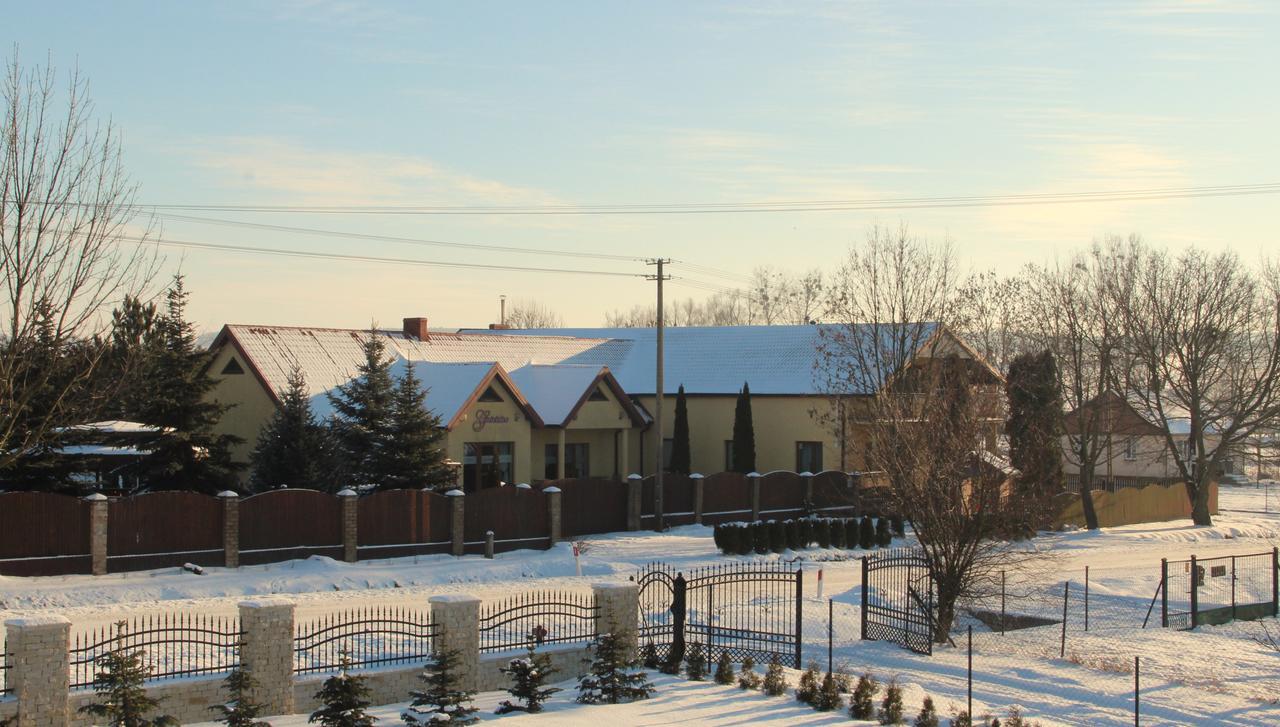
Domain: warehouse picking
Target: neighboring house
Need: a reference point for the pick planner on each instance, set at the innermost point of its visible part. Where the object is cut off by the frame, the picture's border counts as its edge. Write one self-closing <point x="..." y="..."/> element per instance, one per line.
<point x="106" y="455"/>
<point x="528" y="405"/>
<point x="1132" y="447"/>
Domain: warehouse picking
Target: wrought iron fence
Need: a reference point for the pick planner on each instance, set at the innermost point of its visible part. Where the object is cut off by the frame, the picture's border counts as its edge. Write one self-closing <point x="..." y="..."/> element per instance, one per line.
<point x="5" y="687"/>
<point x="1195" y="591"/>
<point x="171" y="645"/>
<point x="544" y="617"/>
<point x="367" y="637"/>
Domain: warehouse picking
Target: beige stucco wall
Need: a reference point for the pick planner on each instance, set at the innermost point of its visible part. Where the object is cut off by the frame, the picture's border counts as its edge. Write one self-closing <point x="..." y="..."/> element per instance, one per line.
<point x="1150" y="457"/>
<point x="516" y="429"/>
<point x="252" y="406"/>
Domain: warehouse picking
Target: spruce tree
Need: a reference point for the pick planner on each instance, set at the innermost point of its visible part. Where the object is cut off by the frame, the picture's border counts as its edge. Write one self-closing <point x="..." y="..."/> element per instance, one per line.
<point x="891" y="706"/>
<point x="529" y="677"/>
<point x="1034" y="425"/>
<point x="415" y="453"/>
<point x="240" y="710"/>
<point x="443" y="701"/>
<point x="122" y="699"/>
<point x="363" y="414"/>
<point x="775" y="681"/>
<point x="190" y="455"/>
<point x="928" y="716"/>
<point x="862" y="703"/>
<point x="807" y="689"/>
<point x="747" y="677"/>
<point x="613" y="677"/>
<point x="695" y="662"/>
<point x="293" y="448"/>
<point x="724" y="669"/>
<point x="131" y="353"/>
<point x="828" y="697"/>
<point x="744" y="434"/>
<point x="681" y="459"/>
<point x="343" y="698"/>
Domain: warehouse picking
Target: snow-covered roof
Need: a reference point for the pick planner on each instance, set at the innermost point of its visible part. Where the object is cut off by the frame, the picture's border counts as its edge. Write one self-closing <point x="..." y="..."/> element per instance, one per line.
<point x="553" y="390"/>
<point x="116" y="426"/>
<point x="448" y="386"/>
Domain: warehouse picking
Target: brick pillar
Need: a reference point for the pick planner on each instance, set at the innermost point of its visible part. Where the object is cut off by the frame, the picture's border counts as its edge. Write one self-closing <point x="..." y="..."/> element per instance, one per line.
<point x="267" y="653"/>
<point x="230" y="528"/>
<point x="457" y="520"/>
<point x="458" y="618"/>
<point x="553" y="514"/>
<point x="754" y="479"/>
<point x="634" y="491"/>
<point x="807" y="478"/>
<point x="98" y="532"/>
<point x="619" y="611"/>
<point x="350" y="524"/>
<point x="488" y="544"/>
<point x="697" y="498"/>
<point x="39" y="668"/>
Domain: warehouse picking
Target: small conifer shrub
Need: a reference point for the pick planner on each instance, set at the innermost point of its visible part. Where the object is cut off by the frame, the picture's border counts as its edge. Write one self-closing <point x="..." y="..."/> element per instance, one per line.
<point x="695" y="662"/>
<point x="443" y="701"/>
<point x="862" y="703"/>
<point x="724" y="669"/>
<point x="777" y="536"/>
<point x="884" y="536"/>
<point x="891" y="706"/>
<point x="807" y="689"/>
<point x="613" y="677"/>
<point x="775" y="682"/>
<point x="529" y="678"/>
<point x="822" y="531"/>
<point x="649" y="656"/>
<point x="899" y="525"/>
<point x="343" y="698"/>
<point x="760" y="537"/>
<point x="961" y="719"/>
<point x="747" y="677"/>
<point x="122" y="701"/>
<point x="837" y="533"/>
<point x="828" y="698"/>
<point x="794" y="529"/>
<point x="240" y="710"/>
<point x="928" y="716"/>
<point x="866" y="533"/>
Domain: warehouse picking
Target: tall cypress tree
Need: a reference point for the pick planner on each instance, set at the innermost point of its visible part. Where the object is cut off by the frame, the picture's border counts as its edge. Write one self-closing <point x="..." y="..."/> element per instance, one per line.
<point x="190" y="455"/>
<point x="744" y="433"/>
<point x="1035" y="422"/>
<point x="293" y="448"/>
<point x="681" y="459"/>
<point x="364" y="414"/>
<point x="415" y="456"/>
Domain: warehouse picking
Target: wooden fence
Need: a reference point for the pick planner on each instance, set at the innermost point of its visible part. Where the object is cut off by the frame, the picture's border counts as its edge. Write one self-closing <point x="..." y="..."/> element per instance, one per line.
<point x="1131" y="505"/>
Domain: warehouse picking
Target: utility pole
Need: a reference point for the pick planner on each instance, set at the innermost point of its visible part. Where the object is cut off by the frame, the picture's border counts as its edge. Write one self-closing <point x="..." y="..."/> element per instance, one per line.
<point x="657" y="415"/>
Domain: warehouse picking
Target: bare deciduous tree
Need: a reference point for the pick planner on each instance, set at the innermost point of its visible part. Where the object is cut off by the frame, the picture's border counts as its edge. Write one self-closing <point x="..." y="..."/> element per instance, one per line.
<point x="68" y="227"/>
<point x="1202" y="343"/>
<point x="532" y="314"/>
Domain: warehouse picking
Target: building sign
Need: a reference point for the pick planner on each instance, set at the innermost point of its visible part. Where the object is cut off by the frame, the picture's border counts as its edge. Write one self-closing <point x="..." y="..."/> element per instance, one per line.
<point x="483" y="417"/>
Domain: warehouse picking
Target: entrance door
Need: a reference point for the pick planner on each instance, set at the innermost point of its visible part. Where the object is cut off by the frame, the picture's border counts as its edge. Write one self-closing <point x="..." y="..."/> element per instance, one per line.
<point x="486" y="464"/>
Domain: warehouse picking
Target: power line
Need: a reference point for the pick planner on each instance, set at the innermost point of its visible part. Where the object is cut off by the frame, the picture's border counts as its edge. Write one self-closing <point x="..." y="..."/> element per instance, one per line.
<point x="366" y="258"/>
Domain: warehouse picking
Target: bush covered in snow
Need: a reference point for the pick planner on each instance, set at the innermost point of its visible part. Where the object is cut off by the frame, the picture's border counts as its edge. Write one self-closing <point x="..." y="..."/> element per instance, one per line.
<point x="443" y="701"/>
<point x="775" y="536"/>
<point x="614" y="677"/>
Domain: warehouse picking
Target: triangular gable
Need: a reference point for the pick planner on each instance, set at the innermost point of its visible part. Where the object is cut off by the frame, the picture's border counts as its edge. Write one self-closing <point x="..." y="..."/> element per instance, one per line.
<point x="499" y="375"/>
<point x="227" y="336"/>
<point x="605" y="378"/>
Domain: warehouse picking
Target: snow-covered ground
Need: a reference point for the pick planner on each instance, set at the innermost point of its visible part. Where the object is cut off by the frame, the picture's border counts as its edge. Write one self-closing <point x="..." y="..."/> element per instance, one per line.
<point x="1215" y="675"/>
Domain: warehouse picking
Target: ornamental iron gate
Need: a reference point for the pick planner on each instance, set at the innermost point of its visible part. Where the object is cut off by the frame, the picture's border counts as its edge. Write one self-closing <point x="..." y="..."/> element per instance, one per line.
<point x="744" y="611"/>
<point x="898" y="599"/>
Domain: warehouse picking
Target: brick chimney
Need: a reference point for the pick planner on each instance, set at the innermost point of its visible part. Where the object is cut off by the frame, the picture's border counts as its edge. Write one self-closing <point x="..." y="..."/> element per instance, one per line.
<point x="416" y="328"/>
<point x="499" y="327"/>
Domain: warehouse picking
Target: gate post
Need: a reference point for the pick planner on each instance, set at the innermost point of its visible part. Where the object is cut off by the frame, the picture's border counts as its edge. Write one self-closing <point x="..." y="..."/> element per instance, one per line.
<point x="697" y="497"/>
<point x="1164" y="593"/>
<point x="635" y="507"/>
<point x="350" y="505"/>
<point x="864" y="598"/>
<point x="618" y="612"/>
<point x="98" y="533"/>
<point x="679" y="610"/>
<point x="754" y="479"/>
<point x="230" y="528"/>
<point x="799" y="615"/>
<point x="1195" y="592"/>
<point x="1275" y="581"/>
<point x="457" y="521"/>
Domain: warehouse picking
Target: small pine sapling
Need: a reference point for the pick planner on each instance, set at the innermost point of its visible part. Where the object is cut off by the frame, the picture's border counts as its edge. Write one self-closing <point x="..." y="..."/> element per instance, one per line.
<point x="862" y="704"/>
<point x="724" y="669"/>
<point x="807" y="689"/>
<point x="748" y="678"/>
<point x="995" y="721"/>
<point x="343" y="697"/>
<point x="891" y="706"/>
<point x="1016" y="719"/>
<point x="613" y="677"/>
<point x="844" y="682"/>
<point x="695" y="662"/>
<point x="118" y="683"/>
<point x="775" y="682"/>
<point x="828" y="698"/>
<point x="443" y="700"/>
<point x="649" y="656"/>
<point x="240" y="710"/>
<point x="928" y="716"/>
<point x="529" y="678"/>
<point x="961" y="719"/>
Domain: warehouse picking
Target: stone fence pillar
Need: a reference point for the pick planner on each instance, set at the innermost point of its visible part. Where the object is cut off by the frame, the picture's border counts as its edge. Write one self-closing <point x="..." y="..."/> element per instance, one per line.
<point x="457" y="520"/>
<point x="39" y="669"/>
<point x="634" y="491"/>
<point x="230" y="528"/>
<point x="553" y="515"/>
<point x="98" y="532"/>
<point x="754" y="479"/>
<point x="350" y="524"/>
<point x="458" y="618"/>
<point x="697" y="497"/>
<point x="267" y="651"/>
<point x="619" y="611"/>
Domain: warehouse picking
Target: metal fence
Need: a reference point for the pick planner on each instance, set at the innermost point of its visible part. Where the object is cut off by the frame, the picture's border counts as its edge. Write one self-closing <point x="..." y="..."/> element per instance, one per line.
<point x="1195" y="591"/>
<point x="542" y="617"/>
<point x="171" y="645"/>
<point x="5" y="687"/>
<point x="367" y="637"/>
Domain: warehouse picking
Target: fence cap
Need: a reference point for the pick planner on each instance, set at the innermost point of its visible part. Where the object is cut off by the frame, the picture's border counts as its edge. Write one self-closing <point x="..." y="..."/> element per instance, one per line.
<point x="228" y="493"/>
<point x="695" y="475"/>
<point x="34" y="621"/>
<point x="550" y="490"/>
<point x="614" y="586"/>
<point x="634" y="476"/>
<point x="95" y="497"/>
<point x="806" y="473"/>
<point x="265" y="602"/>
<point x="524" y="486"/>
<point x="453" y="598"/>
<point x="455" y="492"/>
<point x="346" y="492"/>
<point x="753" y="474"/>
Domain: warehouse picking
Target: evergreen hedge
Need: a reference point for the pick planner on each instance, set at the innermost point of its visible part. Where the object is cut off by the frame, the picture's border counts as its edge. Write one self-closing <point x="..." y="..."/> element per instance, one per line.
<point x="775" y="536"/>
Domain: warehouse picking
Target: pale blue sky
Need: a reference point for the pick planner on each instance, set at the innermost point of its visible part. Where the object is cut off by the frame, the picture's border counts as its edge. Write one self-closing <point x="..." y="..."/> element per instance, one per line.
<point x="482" y="103"/>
